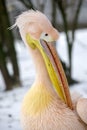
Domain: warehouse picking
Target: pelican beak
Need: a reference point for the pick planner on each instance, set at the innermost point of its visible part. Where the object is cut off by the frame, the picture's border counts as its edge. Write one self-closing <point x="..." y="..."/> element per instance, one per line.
<point x="54" y="68"/>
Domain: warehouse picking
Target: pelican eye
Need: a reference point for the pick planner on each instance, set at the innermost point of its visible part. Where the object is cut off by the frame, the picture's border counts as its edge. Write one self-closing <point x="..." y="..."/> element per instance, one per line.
<point x="46" y="34"/>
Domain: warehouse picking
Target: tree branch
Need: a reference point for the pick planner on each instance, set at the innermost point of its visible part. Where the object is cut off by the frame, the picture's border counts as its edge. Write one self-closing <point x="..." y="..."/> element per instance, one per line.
<point x="75" y="21"/>
<point x="28" y="4"/>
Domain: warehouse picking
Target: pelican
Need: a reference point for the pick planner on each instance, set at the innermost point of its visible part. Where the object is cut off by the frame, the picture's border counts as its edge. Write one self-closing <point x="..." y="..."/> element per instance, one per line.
<point x="48" y="104"/>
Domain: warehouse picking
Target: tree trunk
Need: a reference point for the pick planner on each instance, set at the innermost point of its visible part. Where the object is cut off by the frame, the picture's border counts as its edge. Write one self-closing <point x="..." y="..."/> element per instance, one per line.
<point x="54" y="13"/>
<point x="9" y="41"/>
<point x="4" y="70"/>
<point x="7" y="45"/>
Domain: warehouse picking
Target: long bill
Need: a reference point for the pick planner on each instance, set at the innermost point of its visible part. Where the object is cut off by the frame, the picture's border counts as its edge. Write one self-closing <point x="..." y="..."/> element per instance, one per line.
<point x="54" y="68"/>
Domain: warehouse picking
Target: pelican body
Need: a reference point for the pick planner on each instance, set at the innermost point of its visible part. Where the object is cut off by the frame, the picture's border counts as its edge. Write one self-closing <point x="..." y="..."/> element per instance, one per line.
<point x="48" y="104"/>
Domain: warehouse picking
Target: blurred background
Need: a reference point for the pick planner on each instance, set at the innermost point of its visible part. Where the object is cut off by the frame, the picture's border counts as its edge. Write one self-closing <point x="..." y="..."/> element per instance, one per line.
<point x="16" y="68"/>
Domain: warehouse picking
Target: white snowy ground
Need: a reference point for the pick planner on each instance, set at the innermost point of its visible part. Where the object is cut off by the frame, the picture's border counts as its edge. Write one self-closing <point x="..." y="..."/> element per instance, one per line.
<point x="10" y="101"/>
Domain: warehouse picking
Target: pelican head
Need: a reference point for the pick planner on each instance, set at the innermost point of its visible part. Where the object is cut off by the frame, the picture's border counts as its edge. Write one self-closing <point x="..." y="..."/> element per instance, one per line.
<point x="39" y="34"/>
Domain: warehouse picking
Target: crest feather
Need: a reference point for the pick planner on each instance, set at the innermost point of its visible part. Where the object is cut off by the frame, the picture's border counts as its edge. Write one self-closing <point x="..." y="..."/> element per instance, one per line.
<point x="31" y="16"/>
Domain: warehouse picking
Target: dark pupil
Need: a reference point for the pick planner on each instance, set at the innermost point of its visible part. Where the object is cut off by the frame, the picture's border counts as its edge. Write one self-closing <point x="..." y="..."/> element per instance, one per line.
<point x="46" y="34"/>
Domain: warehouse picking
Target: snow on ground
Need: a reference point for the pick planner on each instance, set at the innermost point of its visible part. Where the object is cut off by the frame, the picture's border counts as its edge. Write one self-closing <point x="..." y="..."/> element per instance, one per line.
<point x="10" y="102"/>
<point x="79" y="54"/>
